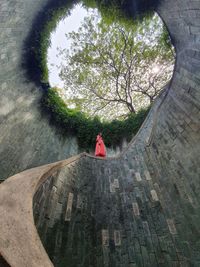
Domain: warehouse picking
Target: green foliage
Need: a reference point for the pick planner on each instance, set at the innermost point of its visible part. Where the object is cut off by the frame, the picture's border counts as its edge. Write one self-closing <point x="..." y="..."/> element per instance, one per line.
<point x="38" y="41"/>
<point x="72" y="120"/>
<point x="166" y="42"/>
<point x="136" y="9"/>
<point x="54" y="18"/>
<point x="112" y="70"/>
<point x="86" y="129"/>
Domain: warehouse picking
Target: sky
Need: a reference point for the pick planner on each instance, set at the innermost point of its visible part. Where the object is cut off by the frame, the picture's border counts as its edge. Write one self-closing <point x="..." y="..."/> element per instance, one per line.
<point x="59" y="40"/>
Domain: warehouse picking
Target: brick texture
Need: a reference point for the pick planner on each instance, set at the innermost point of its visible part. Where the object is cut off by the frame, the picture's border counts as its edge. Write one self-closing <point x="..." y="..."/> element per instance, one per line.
<point x="141" y="209"/>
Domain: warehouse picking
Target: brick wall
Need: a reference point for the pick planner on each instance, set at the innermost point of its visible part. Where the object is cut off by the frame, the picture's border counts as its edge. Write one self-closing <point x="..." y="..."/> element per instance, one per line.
<point x="138" y="210"/>
<point x="26" y="137"/>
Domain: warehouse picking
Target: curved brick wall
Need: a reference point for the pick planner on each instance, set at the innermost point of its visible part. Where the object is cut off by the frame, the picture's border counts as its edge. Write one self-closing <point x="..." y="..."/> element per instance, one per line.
<point x="137" y="210"/>
<point x="141" y="209"/>
<point x="26" y="138"/>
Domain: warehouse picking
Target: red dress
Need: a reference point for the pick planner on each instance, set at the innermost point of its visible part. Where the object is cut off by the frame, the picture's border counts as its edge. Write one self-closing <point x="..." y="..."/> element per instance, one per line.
<point x="100" y="150"/>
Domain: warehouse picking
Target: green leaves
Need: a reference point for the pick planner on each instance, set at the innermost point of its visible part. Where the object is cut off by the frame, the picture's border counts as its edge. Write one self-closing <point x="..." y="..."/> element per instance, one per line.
<point x="97" y="58"/>
<point x="110" y="65"/>
<point x="86" y="129"/>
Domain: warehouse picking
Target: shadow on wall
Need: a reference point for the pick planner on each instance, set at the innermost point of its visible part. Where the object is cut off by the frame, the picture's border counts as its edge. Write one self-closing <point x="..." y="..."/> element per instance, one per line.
<point x="3" y="263"/>
<point x="34" y="62"/>
<point x="137" y="7"/>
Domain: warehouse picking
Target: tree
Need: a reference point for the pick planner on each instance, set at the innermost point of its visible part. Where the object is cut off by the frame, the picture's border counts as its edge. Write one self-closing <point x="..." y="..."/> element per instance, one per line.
<point x="113" y="70"/>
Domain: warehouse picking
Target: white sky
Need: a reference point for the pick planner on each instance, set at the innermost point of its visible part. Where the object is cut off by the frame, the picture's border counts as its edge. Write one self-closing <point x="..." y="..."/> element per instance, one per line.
<point x="58" y="39"/>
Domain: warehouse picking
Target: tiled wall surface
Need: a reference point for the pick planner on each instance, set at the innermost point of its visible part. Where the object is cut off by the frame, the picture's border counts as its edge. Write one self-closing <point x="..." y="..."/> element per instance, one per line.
<point x="136" y="211"/>
<point x="26" y="138"/>
<point x="139" y="210"/>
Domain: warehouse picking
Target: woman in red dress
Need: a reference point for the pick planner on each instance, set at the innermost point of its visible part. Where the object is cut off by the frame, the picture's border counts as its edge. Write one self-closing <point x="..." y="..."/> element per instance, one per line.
<point x="100" y="150"/>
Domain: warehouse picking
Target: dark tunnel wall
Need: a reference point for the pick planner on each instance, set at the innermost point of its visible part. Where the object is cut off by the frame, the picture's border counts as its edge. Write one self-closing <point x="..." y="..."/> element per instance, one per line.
<point x="3" y="263"/>
<point x="139" y="210"/>
<point x="26" y="137"/>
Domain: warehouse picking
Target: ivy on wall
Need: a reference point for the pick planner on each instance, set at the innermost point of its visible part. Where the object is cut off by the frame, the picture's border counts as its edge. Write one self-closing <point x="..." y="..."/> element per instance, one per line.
<point x="38" y="41"/>
<point x="125" y="9"/>
<point x="66" y="119"/>
<point x="86" y="128"/>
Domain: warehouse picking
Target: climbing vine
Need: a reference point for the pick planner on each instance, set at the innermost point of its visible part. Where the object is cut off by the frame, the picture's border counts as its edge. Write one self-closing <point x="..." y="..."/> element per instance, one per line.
<point x="86" y="128"/>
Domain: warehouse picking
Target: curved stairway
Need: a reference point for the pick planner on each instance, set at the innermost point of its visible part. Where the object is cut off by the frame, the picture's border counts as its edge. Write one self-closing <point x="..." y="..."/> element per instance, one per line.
<point x="140" y="209"/>
<point x="101" y="212"/>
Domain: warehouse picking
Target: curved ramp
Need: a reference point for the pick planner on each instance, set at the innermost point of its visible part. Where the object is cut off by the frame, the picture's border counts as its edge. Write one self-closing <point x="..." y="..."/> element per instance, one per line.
<point x="94" y="212"/>
<point x="19" y="240"/>
<point x="141" y="209"/>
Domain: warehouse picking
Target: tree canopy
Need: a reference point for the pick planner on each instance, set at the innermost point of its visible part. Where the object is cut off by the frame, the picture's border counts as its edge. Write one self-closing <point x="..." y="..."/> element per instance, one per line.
<point x="114" y="69"/>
